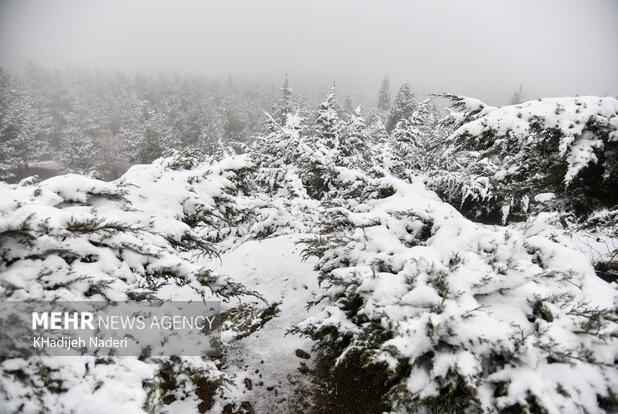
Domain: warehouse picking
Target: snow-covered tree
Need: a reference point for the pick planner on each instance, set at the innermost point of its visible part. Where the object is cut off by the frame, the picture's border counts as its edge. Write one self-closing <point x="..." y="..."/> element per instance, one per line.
<point x="327" y="122"/>
<point x="284" y="106"/>
<point x="318" y="149"/>
<point x="405" y="148"/>
<point x="354" y="146"/>
<point x="77" y="150"/>
<point x="150" y="135"/>
<point x="280" y="147"/>
<point x="518" y="96"/>
<point x="384" y="95"/>
<point x="376" y="130"/>
<point x="74" y="238"/>
<point x="410" y="143"/>
<point x="464" y="109"/>
<point x="348" y="106"/>
<point x="403" y="106"/>
<point x="24" y="127"/>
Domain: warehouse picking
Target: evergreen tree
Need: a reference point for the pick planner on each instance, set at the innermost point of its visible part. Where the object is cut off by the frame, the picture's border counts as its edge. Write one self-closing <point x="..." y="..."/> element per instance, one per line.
<point x="281" y="146"/>
<point x="318" y="150"/>
<point x="327" y="122"/>
<point x="283" y="108"/>
<point x="377" y="131"/>
<point x="234" y="125"/>
<point x="348" y="106"/>
<point x="24" y="127"/>
<point x="403" y="300"/>
<point x="211" y="132"/>
<point x="77" y="151"/>
<point x="354" y="150"/>
<point x="423" y="119"/>
<point x="518" y="96"/>
<point x="410" y="142"/>
<point x="553" y="154"/>
<point x="405" y="148"/>
<point x="151" y="136"/>
<point x="404" y="105"/>
<point x="384" y="96"/>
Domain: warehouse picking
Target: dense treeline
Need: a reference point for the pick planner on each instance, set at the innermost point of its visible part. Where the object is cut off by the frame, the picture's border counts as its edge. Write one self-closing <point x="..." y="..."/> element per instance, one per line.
<point x="99" y="123"/>
<point x="494" y="164"/>
<point x="85" y="121"/>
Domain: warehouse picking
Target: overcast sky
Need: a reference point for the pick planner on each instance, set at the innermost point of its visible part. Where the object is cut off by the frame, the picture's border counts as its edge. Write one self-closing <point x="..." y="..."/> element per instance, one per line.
<point x="479" y="48"/>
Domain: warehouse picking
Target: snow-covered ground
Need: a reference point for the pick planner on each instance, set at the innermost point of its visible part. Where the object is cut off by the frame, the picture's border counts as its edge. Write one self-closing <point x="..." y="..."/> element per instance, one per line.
<point x="274" y="268"/>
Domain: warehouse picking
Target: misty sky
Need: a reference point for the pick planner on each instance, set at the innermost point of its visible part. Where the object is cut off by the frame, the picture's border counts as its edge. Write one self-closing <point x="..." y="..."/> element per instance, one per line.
<point x="479" y="48"/>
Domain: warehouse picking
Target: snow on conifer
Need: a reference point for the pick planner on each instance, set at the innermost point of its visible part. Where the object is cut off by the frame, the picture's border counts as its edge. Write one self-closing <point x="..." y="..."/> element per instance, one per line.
<point x="402" y="107"/>
<point x="460" y="316"/>
<point x="144" y="236"/>
<point x="499" y="159"/>
<point x="449" y="314"/>
<point x="354" y="150"/>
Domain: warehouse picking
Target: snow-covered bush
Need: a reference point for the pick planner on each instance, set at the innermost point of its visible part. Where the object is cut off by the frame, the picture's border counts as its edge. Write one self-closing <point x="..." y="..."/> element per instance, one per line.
<point x="455" y="316"/>
<point x="143" y="236"/>
<point x="546" y="154"/>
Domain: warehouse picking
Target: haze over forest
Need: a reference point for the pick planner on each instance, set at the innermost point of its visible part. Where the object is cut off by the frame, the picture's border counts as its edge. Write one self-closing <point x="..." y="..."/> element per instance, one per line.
<point x="476" y="48"/>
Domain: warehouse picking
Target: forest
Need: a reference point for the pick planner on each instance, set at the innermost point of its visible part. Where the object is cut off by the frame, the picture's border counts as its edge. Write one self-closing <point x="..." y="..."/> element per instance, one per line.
<point x="429" y="254"/>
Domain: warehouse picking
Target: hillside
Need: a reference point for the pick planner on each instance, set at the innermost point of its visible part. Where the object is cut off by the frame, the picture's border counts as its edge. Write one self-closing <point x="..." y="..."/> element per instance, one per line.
<point x="416" y="305"/>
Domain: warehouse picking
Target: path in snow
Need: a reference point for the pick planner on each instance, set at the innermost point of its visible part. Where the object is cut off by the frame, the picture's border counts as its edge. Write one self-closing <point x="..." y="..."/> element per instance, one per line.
<point x="274" y="268"/>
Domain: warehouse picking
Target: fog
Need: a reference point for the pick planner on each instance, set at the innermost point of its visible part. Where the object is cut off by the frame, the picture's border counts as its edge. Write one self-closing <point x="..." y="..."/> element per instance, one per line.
<point x="479" y="48"/>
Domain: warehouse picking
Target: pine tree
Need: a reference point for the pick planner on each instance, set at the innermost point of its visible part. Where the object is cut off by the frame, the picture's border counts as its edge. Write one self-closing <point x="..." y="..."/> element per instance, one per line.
<point x="234" y="123"/>
<point x="280" y="147"/>
<point x="354" y="150"/>
<point x="24" y="127"/>
<point x="404" y="105"/>
<point x="211" y="132"/>
<point x="423" y="119"/>
<point x="384" y="96"/>
<point x="327" y="121"/>
<point x="348" y="106"/>
<point x="410" y="144"/>
<point x="405" y="148"/>
<point x="77" y="151"/>
<point x="283" y="108"/>
<point x="151" y="136"/>
<point x="318" y="151"/>
<point x="403" y="301"/>
<point x="376" y="130"/>
<point x="518" y="96"/>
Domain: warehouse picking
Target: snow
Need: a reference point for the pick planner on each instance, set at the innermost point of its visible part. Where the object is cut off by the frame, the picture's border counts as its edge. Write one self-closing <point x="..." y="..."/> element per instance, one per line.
<point x="403" y="277"/>
<point x="497" y="158"/>
<point x="570" y="116"/>
<point x="471" y="287"/>
<point x="543" y="197"/>
<point x="273" y="267"/>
